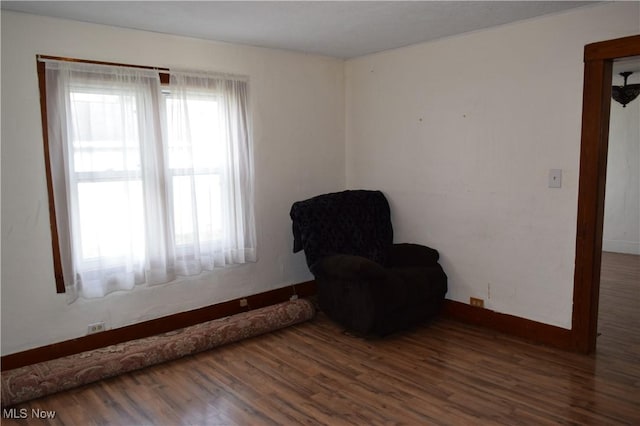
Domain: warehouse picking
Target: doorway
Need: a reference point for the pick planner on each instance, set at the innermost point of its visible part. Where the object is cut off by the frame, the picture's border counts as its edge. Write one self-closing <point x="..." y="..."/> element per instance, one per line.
<point x="619" y="296"/>
<point x="598" y="70"/>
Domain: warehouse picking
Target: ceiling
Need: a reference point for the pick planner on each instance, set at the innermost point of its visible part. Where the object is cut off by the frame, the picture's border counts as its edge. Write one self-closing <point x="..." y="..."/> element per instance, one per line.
<point x="343" y="29"/>
<point x="626" y="64"/>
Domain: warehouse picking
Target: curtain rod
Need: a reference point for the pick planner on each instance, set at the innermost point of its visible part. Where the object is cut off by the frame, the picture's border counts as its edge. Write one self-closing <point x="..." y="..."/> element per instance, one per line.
<point x="46" y="58"/>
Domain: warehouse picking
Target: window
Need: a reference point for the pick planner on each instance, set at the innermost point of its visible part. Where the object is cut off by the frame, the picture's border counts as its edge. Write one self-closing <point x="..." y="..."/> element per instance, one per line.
<point x="150" y="174"/>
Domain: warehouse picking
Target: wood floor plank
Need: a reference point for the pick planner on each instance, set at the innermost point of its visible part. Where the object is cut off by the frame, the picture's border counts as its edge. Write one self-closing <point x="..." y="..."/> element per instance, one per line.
<point x="444" y="373"/>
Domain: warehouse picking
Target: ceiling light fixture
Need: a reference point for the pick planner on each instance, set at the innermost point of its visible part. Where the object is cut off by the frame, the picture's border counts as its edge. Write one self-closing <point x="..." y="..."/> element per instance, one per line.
<point x="627" y="93"/>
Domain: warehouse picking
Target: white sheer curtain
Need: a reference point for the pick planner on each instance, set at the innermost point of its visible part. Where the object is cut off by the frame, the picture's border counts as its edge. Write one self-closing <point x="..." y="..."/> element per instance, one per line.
<point x="209" y="160"/>
<point x="147" y="185"/>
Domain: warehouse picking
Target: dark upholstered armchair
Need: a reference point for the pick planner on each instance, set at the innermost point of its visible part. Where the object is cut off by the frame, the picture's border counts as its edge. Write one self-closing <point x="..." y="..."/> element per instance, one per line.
<point x="365" y="282"/>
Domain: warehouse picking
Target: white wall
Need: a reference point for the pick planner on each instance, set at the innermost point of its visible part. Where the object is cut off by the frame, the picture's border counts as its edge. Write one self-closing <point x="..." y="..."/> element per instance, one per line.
<point x="461" y="133"/>
<point x="298" y="114"/>
<point x="621" y="233"/>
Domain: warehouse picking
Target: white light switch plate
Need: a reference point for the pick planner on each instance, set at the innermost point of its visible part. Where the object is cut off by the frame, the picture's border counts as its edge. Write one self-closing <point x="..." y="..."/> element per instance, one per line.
<point x="555" y="178"/>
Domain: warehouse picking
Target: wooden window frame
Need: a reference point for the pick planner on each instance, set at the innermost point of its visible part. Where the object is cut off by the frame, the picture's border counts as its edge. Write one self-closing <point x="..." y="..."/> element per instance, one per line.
<point x="42" y="85"/>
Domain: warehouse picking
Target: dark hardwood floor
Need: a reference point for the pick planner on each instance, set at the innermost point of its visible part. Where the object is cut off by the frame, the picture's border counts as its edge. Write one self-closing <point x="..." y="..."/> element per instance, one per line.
<point x="619" y="309"/>
<point x="443" y="373"/>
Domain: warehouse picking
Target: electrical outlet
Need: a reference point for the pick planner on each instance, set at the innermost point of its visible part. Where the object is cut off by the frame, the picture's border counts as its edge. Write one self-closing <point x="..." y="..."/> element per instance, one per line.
<point x="244" y="303"/>
<point x="96" y="327"/>
<point x="478" y="303"/>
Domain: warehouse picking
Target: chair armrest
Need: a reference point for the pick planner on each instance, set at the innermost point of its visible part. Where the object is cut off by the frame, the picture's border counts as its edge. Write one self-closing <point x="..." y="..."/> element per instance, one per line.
<point x="405" y="254"/>
<point x="348" y="266"/>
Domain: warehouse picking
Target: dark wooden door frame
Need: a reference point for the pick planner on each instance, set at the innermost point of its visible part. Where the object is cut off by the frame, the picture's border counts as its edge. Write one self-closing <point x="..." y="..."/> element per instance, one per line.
<point x="598" y="64"/>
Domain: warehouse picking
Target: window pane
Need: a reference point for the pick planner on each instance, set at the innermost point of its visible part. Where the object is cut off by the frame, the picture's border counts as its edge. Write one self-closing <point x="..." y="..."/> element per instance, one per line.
<point x="111" y="219"/>
<point x="208" y="193"/>
<point x="195" y="132"/>
<point x="104" y="131"/>
<point x="197" y="206"/>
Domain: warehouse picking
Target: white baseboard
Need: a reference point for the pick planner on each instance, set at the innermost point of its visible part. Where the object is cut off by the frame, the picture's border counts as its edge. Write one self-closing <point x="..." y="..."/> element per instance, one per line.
<point x="617" y="246"/>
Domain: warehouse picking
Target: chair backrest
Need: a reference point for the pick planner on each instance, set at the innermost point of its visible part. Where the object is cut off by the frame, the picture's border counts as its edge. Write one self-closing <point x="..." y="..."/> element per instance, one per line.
<point x="354" y="222"/>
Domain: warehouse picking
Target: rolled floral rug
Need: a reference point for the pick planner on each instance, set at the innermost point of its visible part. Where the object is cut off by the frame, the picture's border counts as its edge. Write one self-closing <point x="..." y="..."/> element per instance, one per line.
<point x="37" y="380"/>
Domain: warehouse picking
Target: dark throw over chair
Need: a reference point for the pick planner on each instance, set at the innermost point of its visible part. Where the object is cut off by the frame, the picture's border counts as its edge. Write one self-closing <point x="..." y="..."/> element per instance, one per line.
<point x="365" y="282"/>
